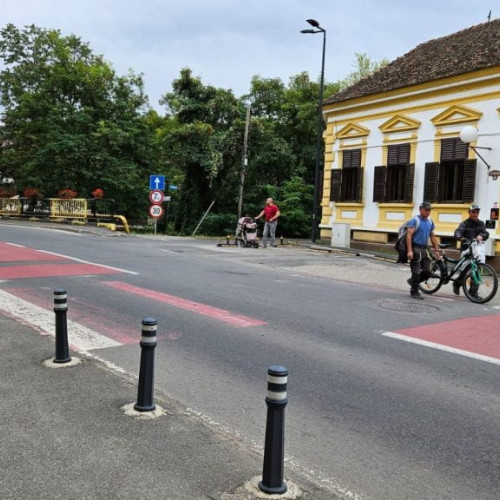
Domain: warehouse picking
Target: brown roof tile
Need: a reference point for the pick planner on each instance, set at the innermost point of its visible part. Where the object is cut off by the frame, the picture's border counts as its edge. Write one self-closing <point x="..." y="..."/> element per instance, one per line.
<point x="472" y="49"/>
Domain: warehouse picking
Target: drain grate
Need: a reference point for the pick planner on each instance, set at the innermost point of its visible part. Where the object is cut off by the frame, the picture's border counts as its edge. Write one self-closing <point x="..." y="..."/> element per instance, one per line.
<point x="412" y="307"/>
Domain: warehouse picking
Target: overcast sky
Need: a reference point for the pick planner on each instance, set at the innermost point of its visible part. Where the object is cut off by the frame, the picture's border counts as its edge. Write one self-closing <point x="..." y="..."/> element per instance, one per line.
<point x="226" y="42"/>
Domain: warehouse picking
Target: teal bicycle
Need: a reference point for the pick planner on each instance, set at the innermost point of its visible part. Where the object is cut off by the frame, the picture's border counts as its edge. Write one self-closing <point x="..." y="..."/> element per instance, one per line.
<point x="479" y="281"/>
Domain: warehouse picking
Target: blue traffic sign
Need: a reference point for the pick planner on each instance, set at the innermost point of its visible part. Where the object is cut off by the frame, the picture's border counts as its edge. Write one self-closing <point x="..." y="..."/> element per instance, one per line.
<point x="157" y="182"/>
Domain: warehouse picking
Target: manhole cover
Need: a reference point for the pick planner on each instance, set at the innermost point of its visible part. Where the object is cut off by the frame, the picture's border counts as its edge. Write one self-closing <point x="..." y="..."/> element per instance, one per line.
<point x="413" y="307"/>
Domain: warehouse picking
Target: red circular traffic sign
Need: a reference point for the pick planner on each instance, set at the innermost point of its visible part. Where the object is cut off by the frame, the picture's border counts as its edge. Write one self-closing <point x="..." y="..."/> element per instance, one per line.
<point x="156" y="196"/>
<point x="156" y="211"/>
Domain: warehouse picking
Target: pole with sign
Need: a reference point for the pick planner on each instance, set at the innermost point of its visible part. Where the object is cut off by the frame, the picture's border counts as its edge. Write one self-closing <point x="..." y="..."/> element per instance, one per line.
<point x="156" y="198"/>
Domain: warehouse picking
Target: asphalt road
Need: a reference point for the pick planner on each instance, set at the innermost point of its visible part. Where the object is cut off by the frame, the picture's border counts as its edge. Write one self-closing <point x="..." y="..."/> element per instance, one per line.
<point x="369" y="415"/>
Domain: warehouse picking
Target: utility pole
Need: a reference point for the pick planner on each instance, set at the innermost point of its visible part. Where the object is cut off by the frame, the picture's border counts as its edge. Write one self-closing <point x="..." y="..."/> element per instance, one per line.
<point x="244" y="163"/>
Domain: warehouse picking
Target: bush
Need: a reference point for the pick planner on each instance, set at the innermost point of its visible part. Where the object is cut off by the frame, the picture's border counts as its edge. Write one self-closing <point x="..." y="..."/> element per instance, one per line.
<point x="218" y="224"/>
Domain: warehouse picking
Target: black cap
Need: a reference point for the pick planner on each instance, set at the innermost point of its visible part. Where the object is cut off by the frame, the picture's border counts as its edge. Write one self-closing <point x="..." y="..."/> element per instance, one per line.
<point x="425" y="204"/>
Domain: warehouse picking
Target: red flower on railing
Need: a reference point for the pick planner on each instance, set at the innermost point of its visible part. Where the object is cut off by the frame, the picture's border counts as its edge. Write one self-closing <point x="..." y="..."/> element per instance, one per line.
<point x="6" y="193"/>
<point x="98" y="193"/>
<point x="30" y="192"/>
<point x="67" y="194"/>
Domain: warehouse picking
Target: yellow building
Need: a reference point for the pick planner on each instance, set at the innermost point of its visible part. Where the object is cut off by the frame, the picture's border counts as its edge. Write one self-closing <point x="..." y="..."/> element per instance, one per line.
<point x="392" y="140"/>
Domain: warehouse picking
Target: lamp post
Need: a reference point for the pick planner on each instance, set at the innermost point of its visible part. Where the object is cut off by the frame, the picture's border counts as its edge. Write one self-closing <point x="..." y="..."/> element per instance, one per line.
<point x="317" y="29"/>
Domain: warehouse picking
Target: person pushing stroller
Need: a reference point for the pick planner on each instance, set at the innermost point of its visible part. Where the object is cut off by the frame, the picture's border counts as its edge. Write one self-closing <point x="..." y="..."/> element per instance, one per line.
<point x="271" y="213"/>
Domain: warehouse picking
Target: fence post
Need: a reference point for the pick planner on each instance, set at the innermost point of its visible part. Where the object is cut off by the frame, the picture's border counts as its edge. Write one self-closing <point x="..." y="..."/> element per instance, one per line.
<point x="146" y="371"/>
<point x="60" y="309"/>
<point x="274" y="449"/>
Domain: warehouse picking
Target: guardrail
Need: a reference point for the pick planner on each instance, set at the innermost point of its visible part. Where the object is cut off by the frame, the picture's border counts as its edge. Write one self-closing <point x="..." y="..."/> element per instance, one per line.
<point x="93" y="210"/>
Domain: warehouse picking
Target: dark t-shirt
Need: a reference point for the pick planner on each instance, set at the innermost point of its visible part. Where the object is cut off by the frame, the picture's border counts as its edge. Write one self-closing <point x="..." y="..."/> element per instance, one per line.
<point x="471" y="229"/>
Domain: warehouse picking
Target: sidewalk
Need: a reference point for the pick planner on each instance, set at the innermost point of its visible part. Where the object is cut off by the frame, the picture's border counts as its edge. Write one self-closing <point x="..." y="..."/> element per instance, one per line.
<point x="63" y="435"/>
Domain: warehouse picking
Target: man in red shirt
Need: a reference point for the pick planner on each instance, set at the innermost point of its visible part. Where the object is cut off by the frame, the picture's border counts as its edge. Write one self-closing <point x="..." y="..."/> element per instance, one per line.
<point x="271" y="213"/>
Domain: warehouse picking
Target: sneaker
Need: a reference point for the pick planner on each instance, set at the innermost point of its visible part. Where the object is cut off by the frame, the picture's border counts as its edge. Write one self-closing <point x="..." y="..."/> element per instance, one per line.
<point x="456" y="288"/>
<point x="416" y="295"/>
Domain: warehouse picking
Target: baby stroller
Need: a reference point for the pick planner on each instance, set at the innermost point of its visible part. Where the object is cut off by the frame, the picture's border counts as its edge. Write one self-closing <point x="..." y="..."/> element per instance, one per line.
<point x="246" y="233"/>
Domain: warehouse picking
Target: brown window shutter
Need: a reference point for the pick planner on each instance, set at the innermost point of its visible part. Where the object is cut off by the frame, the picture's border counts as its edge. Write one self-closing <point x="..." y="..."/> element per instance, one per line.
<point x="447" y="150"/>
<point x="469" y="180"/>
<point x="409" y="177"/>
<point x="356" y="158"/>
<point x="431" y="182"/>
<point x="359" y="187"/>
<point x="398" y="154"/>
<point x="351" y="158"/>
<point x="461" y="150"/>
<point x="404" y="154"/>
<point x="379" y="183"/>
<point x="335" y="185"/>
<point x="453" y="149"/>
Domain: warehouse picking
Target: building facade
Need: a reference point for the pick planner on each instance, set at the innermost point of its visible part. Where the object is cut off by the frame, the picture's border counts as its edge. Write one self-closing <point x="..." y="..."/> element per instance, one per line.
<point x="393" y="140"/>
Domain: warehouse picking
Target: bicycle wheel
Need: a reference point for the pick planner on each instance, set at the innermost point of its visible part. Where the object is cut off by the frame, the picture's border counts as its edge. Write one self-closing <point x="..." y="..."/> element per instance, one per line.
<point x="480" y="285"/>
<point x="434" y="281"/>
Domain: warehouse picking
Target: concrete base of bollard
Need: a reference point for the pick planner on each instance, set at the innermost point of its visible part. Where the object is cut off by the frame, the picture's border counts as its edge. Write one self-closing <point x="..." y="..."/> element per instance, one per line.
<point x="250" y="490"/>
<point x="49" y="363"/>
<point x="143" y="415"/>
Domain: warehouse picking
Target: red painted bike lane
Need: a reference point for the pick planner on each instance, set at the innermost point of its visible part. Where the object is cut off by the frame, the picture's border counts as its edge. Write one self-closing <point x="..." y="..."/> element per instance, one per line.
<point x="477" y="337"/>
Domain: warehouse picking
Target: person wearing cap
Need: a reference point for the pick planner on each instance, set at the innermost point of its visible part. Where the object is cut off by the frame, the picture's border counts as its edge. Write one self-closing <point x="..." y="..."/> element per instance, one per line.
<point x="470" y="229"/>
<point x="417" y="240"/>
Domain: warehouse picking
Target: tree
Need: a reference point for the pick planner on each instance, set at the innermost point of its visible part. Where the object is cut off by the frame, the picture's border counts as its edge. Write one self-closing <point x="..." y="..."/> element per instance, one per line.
<point x="282" y="146"/>
<point x="204" y="140"/>
<point x="363" y="67"/>
<point x="69" y="121"/>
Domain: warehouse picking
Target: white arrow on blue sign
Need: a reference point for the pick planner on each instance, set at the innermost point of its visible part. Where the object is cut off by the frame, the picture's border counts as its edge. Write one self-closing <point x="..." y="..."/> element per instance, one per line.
<point x="157" y="182"/>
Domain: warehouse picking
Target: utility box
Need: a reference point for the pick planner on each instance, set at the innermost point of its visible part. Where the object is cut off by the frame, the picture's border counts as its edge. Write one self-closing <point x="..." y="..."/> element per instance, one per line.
<point x="341" y="234"/>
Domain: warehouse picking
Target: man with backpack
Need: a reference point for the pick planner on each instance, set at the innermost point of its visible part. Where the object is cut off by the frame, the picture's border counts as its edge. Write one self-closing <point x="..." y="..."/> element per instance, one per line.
<point x="470" y="229"/>
<point x="417" y="238"/>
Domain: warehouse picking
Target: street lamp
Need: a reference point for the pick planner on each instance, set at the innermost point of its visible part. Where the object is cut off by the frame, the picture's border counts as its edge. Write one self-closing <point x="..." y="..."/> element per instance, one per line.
<point x="470" y="134"/>
<point x="317" y="29"/>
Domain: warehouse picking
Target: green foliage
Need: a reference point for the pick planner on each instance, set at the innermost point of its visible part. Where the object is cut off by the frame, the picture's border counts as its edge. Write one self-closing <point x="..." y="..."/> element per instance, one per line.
<point x="69" y="121"/>
<point x="202" y="141"/>
<point x="220" y="224"/>
<point x="363" y="67"/>
<point x="296" y="199"/>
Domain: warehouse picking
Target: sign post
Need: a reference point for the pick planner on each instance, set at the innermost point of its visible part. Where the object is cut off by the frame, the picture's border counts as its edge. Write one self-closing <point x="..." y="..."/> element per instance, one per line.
<point x="157" y="182"/>
<point x="155" y="211"/>
<point x="156" y="197"/>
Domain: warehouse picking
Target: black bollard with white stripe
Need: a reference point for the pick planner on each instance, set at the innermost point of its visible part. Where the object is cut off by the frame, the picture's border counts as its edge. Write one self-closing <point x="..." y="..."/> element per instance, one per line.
<point x="61" y="309"/>
<point x="274" y="449"/>
<point x="147" y="368"/>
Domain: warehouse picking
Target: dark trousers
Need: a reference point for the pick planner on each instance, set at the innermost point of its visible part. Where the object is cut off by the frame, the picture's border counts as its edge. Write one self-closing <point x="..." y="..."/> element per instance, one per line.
<point x="420" y="267"/>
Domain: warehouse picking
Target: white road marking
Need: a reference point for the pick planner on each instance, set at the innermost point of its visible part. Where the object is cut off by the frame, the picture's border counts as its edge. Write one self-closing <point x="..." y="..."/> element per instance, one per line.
<point x="80" y="338"/>
<point x="441" y="347"/>
<point x="88" y="262"/>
